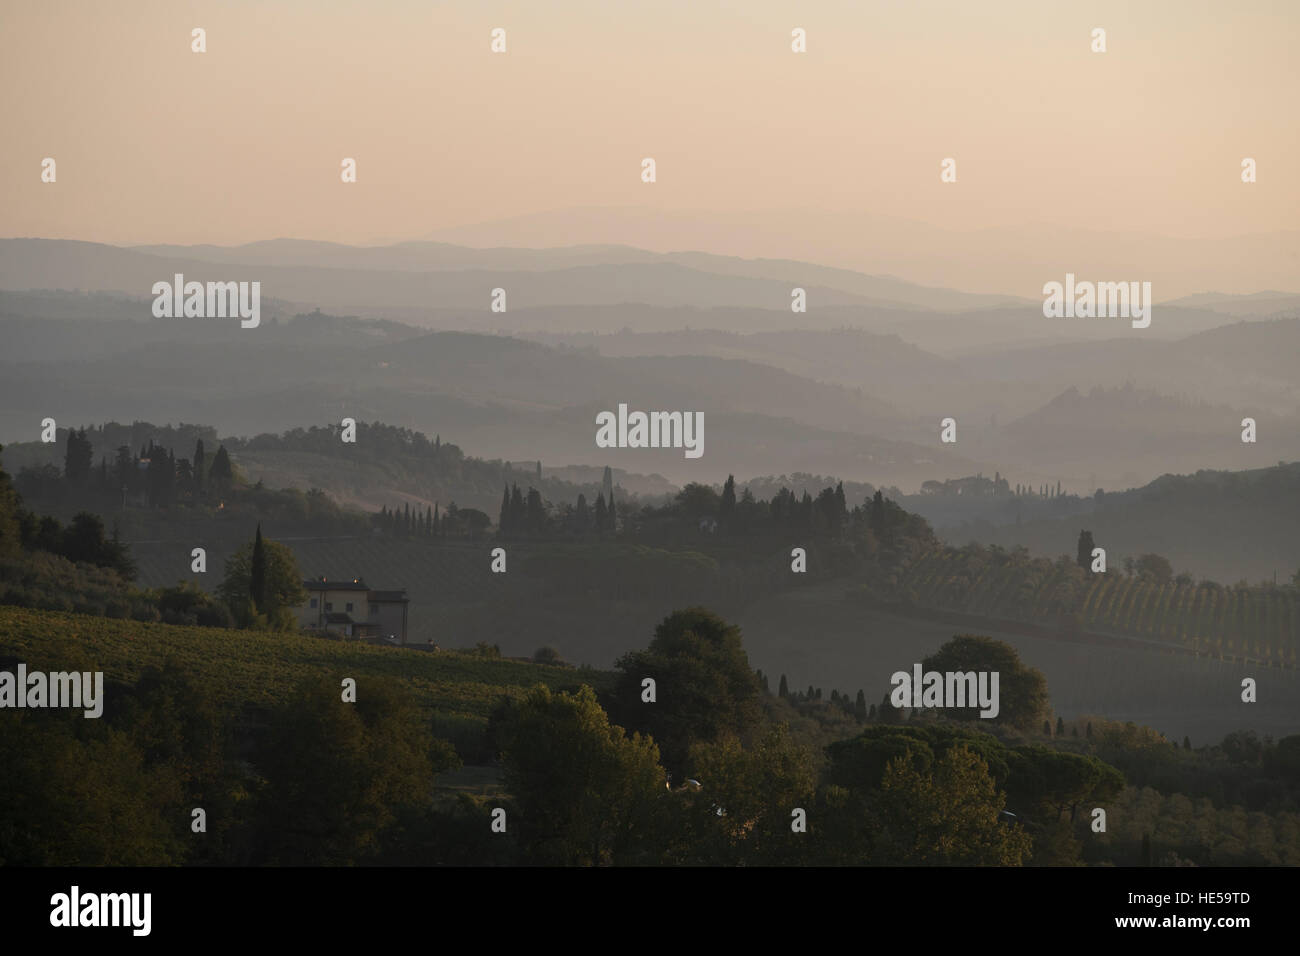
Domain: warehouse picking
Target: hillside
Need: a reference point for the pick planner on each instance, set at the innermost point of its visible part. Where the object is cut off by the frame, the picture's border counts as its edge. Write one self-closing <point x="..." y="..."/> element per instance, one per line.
<point x="261" y="668"/>
<point x="1223" y="525"/>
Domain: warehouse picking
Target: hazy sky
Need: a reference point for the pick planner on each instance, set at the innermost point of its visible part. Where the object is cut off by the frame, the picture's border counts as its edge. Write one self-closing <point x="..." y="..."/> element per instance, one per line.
<point x="155" y="143"/>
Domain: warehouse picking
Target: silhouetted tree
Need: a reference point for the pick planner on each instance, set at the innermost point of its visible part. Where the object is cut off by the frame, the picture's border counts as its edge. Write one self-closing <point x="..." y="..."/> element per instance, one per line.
<point x="257" y="573"/>
<point x="727" y="506"/>
<point x="79" y="458"/>
<point x="1086" y="545"/>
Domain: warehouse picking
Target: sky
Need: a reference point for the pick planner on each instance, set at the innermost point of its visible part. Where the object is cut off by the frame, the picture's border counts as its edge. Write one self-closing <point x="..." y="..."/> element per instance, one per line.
<point x="816" y="154"/>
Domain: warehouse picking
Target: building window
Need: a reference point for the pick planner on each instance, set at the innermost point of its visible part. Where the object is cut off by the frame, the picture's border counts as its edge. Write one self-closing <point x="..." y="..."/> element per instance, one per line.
<point x="374" y="610"/>
<point x="313" y="602"/>
<point x="329" y="605"/>
<point x="349" y="607"/>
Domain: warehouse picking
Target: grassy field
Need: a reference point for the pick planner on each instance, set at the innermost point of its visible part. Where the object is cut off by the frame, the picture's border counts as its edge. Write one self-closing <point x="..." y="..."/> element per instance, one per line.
<point x="259" y="668"/>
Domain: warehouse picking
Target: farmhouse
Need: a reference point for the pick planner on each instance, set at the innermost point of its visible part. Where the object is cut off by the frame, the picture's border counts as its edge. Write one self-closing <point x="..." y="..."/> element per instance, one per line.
<point x="352" y="609"/>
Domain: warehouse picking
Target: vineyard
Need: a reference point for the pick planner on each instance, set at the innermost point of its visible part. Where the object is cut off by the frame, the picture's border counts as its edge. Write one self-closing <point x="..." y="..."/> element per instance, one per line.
<point x="260" y="668"/>
<point x="1260" y="623"/>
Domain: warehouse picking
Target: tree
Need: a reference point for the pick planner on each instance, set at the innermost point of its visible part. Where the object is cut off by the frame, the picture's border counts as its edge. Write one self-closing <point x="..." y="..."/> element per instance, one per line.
<point x="1155" y="568"/>
<point x="1060" y="726"/>
<point x="257" y="574"/>
<point x="1086" y="545"/>
<point x="601" y="516"/>
<point x="878" y="515"/>
<point x="951" y="816"/>
<point x="503" y="522"/>
<point x="518" y="512"/>
<point x="79" y="458"/>
<point x="705" y="685"/>
<point x="84" y="542"/>
<point x="756" y="788"/>
<point x="536" y="515"/>
<point x="123" y="468"/>
<point x="200" y="466"/>
<point x="860" y="706"/>
<point x="282" y="590"/>
<point x="1023" y="701"/>
<point x="783" y="689"/>
<point x="338" y="773"/>
<point x="583" y="791"/>
<point x="547" y="655"/>
<point x="221" y="472"/>
<point x="607" y="486"/>
<point x="10" y="516"/>
<point x="82" y="796"/>
<point x="946" y="816"/>
<point x="697" y="501"/>
<point x="727" y="506"/>
<point x="1047" y="782"/>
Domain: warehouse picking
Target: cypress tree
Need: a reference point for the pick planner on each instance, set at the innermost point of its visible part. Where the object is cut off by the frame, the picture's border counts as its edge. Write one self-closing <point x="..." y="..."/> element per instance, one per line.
<point x="257" y="573"/>
<point x="878" y="515"/>
<point x="1086" y="544"/>
<point x="1060" y="726"/>
<point x="728" y="505"/>
<point x="221" y="470"/>
<point x="200" y="463"/>
<point x="783" y="689"/>
<point x="860" y="706"/>
<point x="518" y="510"/>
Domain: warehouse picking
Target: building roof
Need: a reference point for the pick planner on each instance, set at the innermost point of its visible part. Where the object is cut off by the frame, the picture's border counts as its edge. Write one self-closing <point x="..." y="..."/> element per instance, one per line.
<point x="399" y="596"/>
<point x="324" y="584"/>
